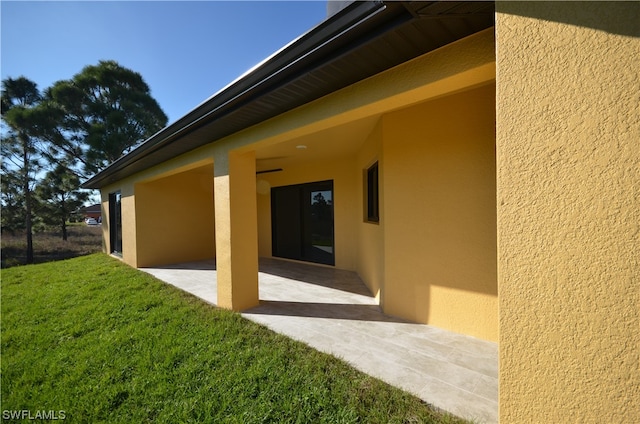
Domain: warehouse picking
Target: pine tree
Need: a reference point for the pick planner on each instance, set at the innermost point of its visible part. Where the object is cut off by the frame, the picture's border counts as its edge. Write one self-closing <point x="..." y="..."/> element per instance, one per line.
<point x="59" y="197"/>
<point x="99" y="115"/>
<point x="20" y="146"/>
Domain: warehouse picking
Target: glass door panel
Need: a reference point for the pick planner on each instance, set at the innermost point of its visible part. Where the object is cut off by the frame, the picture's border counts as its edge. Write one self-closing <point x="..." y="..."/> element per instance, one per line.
<point x="302" y="222"/>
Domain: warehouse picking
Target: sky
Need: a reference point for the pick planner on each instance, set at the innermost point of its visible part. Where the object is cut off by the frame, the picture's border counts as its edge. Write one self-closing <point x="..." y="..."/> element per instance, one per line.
<point x="185" y="51"/>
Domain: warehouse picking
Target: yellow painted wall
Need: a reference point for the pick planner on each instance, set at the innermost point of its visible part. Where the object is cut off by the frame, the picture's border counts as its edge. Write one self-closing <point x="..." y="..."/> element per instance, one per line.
<point x="106" y="240"/>
<point x="568" y="149"/>
<point x="346" y="203"/>
<point x="370" y="236"/>
<point x="198" y="158"/>
<point x="440" y="215"/>
<point x="175" y="220"/>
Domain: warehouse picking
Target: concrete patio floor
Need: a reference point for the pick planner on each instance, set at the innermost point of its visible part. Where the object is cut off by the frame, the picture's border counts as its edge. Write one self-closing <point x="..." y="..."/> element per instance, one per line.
<point x="333" y="311"/>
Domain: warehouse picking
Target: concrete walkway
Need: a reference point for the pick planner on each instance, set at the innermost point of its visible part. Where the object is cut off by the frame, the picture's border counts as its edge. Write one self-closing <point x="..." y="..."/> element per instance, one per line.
<point x="333" y="311"/>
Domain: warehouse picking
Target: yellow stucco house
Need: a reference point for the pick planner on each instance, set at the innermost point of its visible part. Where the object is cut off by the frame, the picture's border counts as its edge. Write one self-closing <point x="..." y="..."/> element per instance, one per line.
<point x="477" y="165"/>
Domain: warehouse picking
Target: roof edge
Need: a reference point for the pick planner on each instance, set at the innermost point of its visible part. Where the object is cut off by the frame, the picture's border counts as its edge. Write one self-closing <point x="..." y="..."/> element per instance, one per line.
<point x="348" y="18"/>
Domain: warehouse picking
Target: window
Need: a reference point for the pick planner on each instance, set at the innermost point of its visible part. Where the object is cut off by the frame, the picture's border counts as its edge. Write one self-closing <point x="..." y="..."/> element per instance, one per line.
<point x="372" y="201"/>
<point x="115" y="223"/>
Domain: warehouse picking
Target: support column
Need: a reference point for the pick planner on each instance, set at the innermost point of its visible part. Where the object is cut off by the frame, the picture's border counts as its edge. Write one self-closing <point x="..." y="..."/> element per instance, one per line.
<point x="236" y="226"/>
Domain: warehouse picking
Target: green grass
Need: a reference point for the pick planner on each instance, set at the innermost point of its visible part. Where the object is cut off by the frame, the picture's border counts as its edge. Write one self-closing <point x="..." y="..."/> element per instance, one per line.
<point x="107" y="343"/>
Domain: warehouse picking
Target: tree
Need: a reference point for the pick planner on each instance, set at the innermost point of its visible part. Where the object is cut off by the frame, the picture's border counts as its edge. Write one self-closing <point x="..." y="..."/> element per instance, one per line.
<point x="99" y="115"/>
<point x="12" y="200"/>
<point x="59" y="197"/>
<point x="20" y="150"/>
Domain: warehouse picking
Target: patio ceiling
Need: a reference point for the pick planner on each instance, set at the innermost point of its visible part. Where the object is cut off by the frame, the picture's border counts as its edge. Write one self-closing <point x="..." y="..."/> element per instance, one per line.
<point x="336" y="142"/>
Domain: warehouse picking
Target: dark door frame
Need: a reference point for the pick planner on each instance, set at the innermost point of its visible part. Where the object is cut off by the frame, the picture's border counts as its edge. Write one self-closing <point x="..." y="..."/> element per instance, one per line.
<point x="115" y="223"/>
<point x="302" y="222"/>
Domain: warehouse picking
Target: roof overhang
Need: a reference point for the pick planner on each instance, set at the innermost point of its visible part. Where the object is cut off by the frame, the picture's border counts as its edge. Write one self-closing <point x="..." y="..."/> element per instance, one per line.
<point x="362" y="40"/>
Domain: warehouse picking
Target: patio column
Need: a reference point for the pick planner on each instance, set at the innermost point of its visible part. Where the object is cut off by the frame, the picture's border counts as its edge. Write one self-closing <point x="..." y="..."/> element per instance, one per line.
<point x="236" y="227"/>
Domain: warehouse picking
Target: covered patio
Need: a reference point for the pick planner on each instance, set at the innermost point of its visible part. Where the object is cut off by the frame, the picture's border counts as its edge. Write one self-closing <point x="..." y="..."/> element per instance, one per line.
<point x="334" y="312"/>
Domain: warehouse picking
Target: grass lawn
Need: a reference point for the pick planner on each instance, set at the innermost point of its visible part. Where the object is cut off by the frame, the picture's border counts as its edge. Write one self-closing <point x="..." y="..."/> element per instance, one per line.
<point x="104" y="342"/>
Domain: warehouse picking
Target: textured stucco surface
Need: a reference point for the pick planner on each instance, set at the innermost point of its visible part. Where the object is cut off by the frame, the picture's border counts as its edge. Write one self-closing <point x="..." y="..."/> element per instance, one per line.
<point x="439" y="213"/>
<point x="568" y="161"/>
<point x="236" y="227"/>
<point x="174" y="218"/>
<point x="370" y="235"/>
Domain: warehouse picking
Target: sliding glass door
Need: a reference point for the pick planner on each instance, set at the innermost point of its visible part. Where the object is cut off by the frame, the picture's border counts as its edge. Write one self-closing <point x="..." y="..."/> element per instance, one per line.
<point x="302" y="222"/>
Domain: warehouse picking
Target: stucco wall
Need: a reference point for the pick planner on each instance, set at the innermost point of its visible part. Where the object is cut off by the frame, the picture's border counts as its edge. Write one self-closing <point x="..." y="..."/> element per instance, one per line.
<point x="370" y="252"/>
<point x="568" y="149"/>
<point x="175" y="220"/>
<point x="195" y="159"/>
<point x="104" y="202"/>
<point x="439" y="213"/>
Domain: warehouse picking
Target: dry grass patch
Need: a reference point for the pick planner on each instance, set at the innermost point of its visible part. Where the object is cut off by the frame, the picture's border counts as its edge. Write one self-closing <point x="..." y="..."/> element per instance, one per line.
<point x="48" y="245"/>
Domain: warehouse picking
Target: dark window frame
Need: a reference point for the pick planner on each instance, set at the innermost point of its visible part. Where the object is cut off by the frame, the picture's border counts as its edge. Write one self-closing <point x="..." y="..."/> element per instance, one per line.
<point x="115" y="223"/>
<point x="372" y="194"/>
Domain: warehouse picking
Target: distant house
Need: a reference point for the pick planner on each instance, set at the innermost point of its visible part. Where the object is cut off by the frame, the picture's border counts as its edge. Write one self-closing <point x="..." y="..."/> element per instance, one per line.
<point x="93" y="211"/>
<point x="477" y="164"/>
